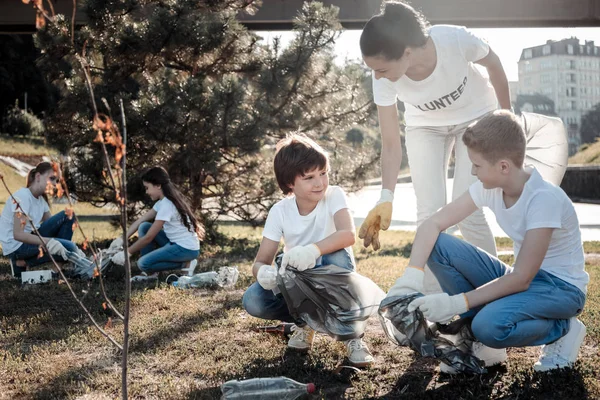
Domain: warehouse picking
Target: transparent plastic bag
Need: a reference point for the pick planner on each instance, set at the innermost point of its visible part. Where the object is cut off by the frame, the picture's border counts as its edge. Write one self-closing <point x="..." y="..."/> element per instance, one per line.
<point x="411" y="329"/>
<point x="82" y="267"/>
<point x="330" y="299"/>
<point x="547" y="145"/>
<point x="227" y="277"/>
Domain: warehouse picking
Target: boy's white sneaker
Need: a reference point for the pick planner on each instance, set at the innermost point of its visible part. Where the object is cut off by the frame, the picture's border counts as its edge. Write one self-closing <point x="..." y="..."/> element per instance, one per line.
<point x="488" y="355"/>
<point x="189" y="267"/>
<point x="144" y="277"/>
<point x="563" y="352"/>
<point x="358" y="353"/>
<point x="302" y="338"/>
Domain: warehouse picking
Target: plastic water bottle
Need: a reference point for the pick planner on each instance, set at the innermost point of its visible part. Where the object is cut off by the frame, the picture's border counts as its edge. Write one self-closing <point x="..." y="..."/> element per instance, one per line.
<point x="204" y="279"/>
<point x="280" y="388"/>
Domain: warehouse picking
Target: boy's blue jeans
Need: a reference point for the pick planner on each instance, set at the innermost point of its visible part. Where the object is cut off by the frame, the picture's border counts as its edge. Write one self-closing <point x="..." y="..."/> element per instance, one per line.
<point x="161" y="254"/>
<point x="261" y="303"/>
<point x="58" y="227"/>
<point x="539" y="315"/>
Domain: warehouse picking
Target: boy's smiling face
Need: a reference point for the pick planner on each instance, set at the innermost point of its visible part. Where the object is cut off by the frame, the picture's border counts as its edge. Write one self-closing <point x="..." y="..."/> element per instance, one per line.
<point x="489" y="174"/>
<point x="312" y="185"/>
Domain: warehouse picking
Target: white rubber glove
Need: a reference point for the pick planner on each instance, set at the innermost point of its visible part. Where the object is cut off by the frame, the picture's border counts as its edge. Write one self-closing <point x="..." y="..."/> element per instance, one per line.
<point x="119" y="258"/>
<point x="440" y="307"/>
<point x="117" y="243"/>
<point x="300" y="258"/>
<point x="411" y="281"/>
<point x="57" y="249"/>
<point x="379" y="218"/>
<point x="267" y="277"/>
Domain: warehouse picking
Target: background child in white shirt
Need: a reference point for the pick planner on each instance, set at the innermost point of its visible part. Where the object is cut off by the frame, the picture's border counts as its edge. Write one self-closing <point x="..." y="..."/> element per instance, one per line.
<point x="171" y="241"/>
<point x="18" y="240"/>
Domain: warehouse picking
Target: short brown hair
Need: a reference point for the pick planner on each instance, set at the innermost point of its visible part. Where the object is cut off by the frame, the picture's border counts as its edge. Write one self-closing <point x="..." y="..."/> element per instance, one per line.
<point x="497" y="135"/>
<point x="296" y="155"/>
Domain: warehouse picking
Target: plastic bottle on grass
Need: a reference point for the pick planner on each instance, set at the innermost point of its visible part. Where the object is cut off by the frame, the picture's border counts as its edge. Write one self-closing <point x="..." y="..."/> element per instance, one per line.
<point x="205" y="279"/>
<point x="280" y="388"/>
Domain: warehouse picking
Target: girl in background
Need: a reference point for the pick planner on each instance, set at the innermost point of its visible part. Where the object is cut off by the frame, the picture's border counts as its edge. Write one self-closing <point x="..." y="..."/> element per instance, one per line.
<point x="18" y="240"/>
<point x="171" y="240"/>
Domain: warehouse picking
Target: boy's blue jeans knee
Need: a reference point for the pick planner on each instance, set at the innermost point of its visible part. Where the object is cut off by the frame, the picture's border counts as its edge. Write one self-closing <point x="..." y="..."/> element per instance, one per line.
<point x="161" y="254"/>
<point x="539" y="315"/>
<point x="265" y="304"/>
<point x="58" y="227"/>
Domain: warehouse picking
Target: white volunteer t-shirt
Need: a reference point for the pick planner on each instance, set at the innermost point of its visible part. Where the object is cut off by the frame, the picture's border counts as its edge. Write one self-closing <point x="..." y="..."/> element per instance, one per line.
<point x="34" y="208"/>
<point x="284" y="220"/>
<point x="541" y="205"/>
<point x="454" y="93"/>
<point x="174" y="229"/>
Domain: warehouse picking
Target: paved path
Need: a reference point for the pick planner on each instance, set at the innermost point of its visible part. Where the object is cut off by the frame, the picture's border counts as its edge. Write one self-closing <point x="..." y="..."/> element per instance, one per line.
<point x="404" y="216"/>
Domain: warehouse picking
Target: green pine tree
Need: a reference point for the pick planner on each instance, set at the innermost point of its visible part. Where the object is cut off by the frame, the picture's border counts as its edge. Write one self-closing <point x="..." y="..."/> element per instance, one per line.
<point x="204" y="97"/>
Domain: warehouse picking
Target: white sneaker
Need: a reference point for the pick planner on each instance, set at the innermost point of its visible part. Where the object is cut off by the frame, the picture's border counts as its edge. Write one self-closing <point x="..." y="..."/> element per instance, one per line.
<point x="358" y="353"/>
<point x="563" y="352"/>
<point x="488" y="355"/>
<point x="302" y="338"/>
<point x="189" y="267"/>
<point x="144" y="277"/>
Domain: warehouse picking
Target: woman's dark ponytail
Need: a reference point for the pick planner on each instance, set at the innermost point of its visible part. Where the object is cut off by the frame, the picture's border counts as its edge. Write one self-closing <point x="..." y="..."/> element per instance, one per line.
<point x="389" y="33"/>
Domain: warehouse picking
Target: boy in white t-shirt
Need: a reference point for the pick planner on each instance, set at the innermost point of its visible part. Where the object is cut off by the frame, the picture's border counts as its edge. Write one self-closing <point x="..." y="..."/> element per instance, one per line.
<point x="534" y="302"/>
<point x="317" y="229"/>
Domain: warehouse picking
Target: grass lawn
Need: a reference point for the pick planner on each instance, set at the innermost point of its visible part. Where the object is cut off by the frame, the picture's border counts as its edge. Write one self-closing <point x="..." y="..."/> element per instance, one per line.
<point x="30" y="146"/>
<point x="184" y="344"/>
<point x="589" y="153"/>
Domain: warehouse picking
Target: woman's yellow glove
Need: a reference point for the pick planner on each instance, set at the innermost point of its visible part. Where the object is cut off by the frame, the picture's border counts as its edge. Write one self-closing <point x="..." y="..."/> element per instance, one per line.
<point x="379" y="218"/>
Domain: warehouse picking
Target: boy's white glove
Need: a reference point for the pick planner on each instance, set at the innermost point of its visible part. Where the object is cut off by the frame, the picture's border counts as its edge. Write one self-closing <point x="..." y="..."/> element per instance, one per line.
<point x="411" y="281"/>
<point x="440" y="307"/>
<point x="267" y="277"/>
<point x="379" y="218"/>
<point x="119" y="258"/>
<point x="117" y="243"/>
<point x="57" y="249"/>
<point x="300" y="258"/>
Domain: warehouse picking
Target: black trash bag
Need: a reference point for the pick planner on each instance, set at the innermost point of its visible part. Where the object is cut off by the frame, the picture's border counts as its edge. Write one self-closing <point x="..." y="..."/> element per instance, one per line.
<point x="406" y="328"/>
<point x="330" y="299"/>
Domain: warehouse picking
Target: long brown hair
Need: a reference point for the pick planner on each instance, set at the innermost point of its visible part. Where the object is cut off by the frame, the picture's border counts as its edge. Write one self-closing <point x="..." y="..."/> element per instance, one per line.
<point x="159" y="176"/>
<point x="41" y="169"/>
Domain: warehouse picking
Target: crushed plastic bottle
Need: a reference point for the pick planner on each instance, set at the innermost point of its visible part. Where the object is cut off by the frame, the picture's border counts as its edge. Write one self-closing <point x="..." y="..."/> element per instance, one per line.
<point x="280" y="388"/>
<point x="225" y="278"/>
<point x="202" y="280"/>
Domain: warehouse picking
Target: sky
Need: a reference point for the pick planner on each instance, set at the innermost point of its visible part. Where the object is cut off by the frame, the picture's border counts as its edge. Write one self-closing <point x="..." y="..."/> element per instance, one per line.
<point x="506" y="42"/>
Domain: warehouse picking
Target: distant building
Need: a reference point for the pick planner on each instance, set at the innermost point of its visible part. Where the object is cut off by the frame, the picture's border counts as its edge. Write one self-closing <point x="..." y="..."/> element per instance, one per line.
<point x="568" y="73"/>
<point x="513" y="86"/>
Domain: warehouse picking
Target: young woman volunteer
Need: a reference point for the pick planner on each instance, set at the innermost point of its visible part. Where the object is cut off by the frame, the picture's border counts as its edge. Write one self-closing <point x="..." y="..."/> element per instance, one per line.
<point x="433" y="71"/>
